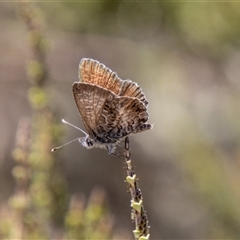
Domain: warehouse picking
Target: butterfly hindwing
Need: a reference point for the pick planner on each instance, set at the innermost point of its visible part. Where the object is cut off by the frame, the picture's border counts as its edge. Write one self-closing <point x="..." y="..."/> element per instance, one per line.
<point x="120" y="117"/>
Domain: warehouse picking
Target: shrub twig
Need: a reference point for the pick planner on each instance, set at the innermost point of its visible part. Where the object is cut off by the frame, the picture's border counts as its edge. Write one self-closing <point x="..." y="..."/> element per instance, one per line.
<point x="139" y="215"/>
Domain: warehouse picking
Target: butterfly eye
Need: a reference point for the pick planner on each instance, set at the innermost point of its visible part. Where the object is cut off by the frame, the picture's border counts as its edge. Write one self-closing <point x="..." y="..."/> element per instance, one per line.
<point x="89" y="142"/>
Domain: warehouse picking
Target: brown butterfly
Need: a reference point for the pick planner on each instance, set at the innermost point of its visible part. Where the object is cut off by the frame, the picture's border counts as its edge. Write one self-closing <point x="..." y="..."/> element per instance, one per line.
<point x="110" y="108"/>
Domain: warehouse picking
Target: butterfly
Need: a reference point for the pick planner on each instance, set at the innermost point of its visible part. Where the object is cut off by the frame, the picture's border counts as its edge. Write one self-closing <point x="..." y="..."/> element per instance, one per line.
<point x="110" y="108"/>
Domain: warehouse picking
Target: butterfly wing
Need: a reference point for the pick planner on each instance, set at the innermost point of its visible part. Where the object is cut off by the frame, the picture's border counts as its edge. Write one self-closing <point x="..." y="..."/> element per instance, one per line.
<point x="91" y="71"/>
<point x="106" y="116"/>
<point x="94" y="72"/>
<point x="90" y="100"/>
<point x="120" y="117"/>
<point x="131" y="89"/>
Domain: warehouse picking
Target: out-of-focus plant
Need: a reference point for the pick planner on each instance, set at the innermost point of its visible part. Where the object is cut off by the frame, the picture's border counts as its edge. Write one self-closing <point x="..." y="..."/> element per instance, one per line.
<point x="40" y="198"/>
<point x="89" y="220"/>
<point x="203" y="27"/>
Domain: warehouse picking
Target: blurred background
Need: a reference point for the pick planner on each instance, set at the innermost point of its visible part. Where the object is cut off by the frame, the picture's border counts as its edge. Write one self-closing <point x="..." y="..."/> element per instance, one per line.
<point x="186" y="58"/>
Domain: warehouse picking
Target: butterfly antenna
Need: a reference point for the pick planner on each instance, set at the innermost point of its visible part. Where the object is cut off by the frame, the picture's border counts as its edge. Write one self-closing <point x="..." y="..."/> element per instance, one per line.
<point x="74" y="126"/>
<point x="56" y="148"/>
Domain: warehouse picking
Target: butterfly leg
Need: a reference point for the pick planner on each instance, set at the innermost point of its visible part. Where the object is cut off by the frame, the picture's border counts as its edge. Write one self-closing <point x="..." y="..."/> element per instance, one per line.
<point x="111" y="149"/>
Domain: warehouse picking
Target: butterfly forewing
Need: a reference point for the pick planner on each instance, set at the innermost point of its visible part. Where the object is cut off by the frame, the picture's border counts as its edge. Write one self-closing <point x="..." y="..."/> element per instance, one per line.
<point x="91" y="71"/>
<point x="94" y="72"/>
<point x="89" y="100"/>
<point x="131" y="89"/>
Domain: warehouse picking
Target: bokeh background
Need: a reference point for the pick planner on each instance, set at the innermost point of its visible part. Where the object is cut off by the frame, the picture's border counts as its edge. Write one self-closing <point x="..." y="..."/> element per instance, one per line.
<point x="186" y="58"/>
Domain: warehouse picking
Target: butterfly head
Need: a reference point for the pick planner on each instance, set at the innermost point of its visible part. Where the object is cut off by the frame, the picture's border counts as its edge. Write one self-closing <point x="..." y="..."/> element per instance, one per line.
<point x="86" y="141"/>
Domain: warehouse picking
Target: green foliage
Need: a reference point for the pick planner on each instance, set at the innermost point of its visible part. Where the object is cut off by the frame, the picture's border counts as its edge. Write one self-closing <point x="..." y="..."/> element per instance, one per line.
<point x="89" y="220"/>
<point x="209" y="27"/>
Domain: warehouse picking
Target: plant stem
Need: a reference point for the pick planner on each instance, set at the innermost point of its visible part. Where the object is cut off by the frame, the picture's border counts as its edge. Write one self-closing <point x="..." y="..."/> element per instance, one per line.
<point x="139" y="215"/>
